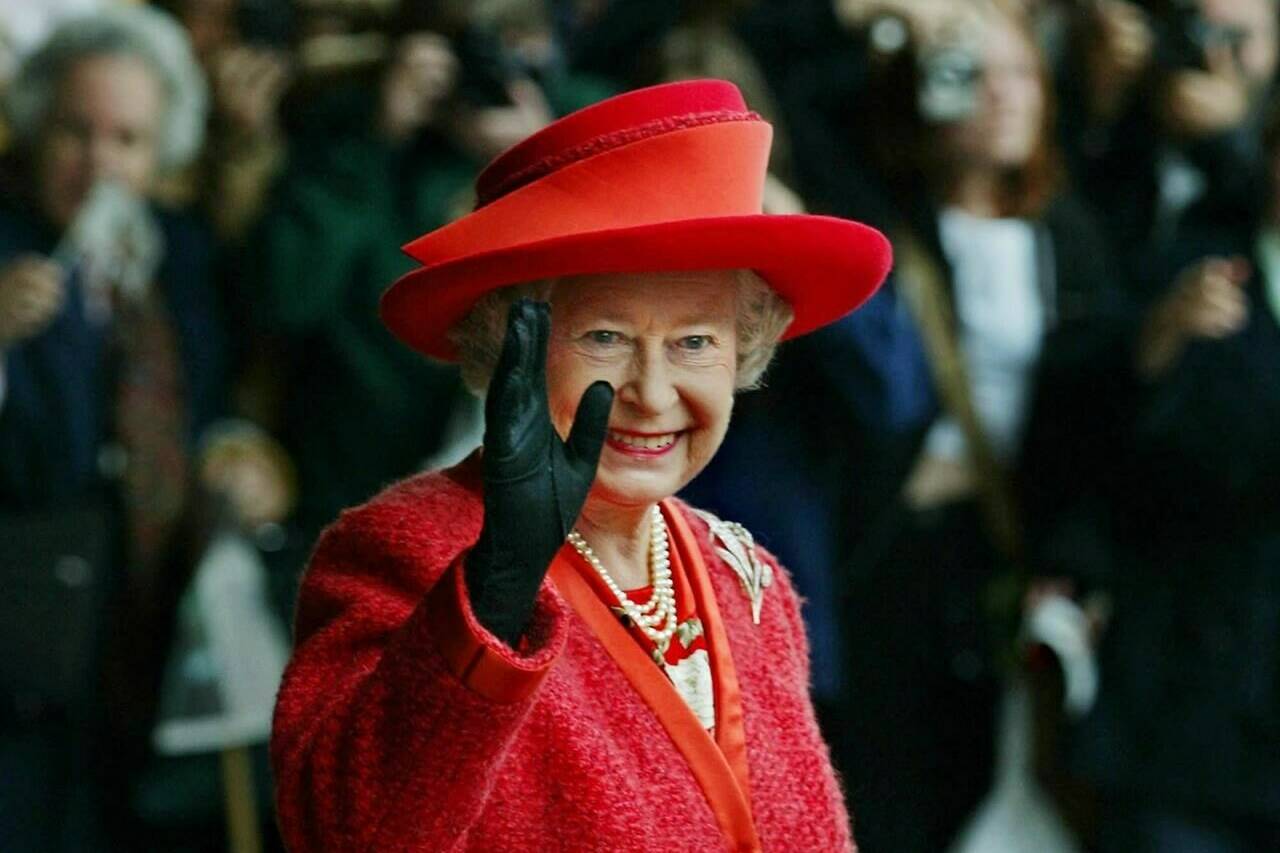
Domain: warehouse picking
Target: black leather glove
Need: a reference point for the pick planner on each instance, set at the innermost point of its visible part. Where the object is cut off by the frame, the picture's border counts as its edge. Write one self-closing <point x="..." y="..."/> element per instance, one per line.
<point x="534" y="483"/>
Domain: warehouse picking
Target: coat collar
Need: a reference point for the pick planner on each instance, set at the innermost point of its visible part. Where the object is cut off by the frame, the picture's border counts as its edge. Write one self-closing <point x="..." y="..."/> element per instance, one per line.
<point x="719" y="765"/>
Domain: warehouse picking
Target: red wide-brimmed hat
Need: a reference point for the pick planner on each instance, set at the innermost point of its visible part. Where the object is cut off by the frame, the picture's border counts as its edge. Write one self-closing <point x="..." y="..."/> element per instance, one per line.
<point x="660" y="179"/>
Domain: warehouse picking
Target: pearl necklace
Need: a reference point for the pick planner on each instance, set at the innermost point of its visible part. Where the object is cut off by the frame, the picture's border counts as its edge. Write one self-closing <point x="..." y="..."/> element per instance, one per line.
<point x="657" y="616"/>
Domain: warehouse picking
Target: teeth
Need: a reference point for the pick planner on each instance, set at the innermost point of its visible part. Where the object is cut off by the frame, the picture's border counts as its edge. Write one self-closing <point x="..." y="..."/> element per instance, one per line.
<point x="643" y="442"/>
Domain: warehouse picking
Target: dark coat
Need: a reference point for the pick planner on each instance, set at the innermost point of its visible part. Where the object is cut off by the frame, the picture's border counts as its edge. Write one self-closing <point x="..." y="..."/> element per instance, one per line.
<point x="54" y="419"/>
<point x="1166" y="495"/>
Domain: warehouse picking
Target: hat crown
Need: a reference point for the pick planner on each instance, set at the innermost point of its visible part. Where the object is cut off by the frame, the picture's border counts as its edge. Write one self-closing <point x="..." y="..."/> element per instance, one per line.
<point x="609" y="124"/>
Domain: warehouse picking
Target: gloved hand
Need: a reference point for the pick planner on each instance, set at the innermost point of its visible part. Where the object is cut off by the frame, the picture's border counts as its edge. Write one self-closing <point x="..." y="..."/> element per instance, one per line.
<point x="534" y="483"/>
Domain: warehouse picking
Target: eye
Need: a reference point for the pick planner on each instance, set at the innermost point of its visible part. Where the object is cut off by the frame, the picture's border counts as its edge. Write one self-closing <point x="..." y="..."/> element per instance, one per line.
<point x="603" y="337"/>
<point x="696" y="343"/>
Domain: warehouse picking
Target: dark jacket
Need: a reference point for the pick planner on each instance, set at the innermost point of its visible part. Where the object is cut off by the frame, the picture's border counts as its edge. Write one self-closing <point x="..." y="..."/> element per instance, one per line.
<point x="56" y="505"/>
<point x="361" y="409"/>
<point x="1166" y="496"/>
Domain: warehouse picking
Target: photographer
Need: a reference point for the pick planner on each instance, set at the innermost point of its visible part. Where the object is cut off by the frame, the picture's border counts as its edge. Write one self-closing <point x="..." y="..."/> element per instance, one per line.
<point x="1162" y="495"/>
<point x="112" y="352"/>
<point x="903" y="523"/>
<point x="383" y="151"/>
<point x="1173" y="107"/>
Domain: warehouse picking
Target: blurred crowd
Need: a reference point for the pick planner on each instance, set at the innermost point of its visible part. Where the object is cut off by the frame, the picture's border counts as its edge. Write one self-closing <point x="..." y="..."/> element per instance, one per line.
<point x="1030" y="492"/>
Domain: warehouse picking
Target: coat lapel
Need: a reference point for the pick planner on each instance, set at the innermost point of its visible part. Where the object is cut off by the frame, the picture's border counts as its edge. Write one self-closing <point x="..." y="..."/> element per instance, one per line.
<point x="719" y="765"/>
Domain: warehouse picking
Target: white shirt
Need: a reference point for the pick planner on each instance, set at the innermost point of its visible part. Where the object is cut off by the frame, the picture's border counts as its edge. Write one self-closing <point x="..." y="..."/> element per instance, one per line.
<point x="1001" y="322"/>
<point x="1268" y="246"/>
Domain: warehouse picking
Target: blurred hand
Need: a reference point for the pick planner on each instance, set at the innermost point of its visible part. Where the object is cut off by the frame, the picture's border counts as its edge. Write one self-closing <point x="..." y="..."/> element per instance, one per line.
<point x="488" y="131"/>
<point x="1207" y="301"/>
<point x="938" y="480"/>
<point x="31" y="294"/>
<point x="1096" y="606"/>
<point x="248" y="83"/>
<point x="420" y="76"/>
<point x="252" y="473"/>
<point x="1119" y="45"/>
<point x="925" y="17"/>
<point x="1197" y="104"/>
<point x="1040" y="590"/>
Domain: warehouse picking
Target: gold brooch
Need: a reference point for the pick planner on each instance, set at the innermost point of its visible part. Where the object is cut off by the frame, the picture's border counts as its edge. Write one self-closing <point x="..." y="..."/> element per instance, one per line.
<point x="689" y="630"/>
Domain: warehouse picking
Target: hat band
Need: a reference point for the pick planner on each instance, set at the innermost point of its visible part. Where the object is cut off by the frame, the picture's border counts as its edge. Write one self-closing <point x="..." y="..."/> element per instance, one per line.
<point x="487" y="191"/>
<point x="715" y="169"/>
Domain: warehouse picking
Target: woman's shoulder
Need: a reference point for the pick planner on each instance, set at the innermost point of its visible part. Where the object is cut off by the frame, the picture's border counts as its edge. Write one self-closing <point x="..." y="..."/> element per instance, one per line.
<point x="729" y="546"/>
<point x="424" y="521"/>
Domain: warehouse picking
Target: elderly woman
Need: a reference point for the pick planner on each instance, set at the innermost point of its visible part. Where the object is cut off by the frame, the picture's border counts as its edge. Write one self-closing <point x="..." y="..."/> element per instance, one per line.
<point x="541" y="648"/>
<point x="111" y="376"/>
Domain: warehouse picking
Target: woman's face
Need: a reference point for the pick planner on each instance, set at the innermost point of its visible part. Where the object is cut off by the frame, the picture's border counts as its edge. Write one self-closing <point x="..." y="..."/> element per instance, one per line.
<point x="104" y="124"/>
<point x="1005" y="130"/>
<point x="667" y="343"/>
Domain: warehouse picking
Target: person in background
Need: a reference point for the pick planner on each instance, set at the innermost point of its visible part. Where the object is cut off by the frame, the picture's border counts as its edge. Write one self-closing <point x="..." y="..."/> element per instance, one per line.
<point x="375" y="155"/>
<point x="913" y="412"/>
<point x="244" y="47"/>
<point x="525" y="34"/>
<point x="111" y="383"/>
<point x="1166" y="105"/>
<point x="1160" y="495"/>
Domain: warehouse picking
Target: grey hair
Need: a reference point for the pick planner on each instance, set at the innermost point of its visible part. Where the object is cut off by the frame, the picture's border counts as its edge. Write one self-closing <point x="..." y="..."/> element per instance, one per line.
<point x="763" y="316"/>
<point x="137" y="31"/>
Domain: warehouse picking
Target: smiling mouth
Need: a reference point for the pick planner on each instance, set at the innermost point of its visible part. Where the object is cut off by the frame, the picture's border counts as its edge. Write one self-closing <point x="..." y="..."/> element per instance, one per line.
<point x="643" y="443"/>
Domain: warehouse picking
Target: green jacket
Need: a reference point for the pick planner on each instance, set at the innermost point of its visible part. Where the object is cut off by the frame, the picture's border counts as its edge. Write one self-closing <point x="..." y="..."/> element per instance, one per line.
<point x="361" y="409"/>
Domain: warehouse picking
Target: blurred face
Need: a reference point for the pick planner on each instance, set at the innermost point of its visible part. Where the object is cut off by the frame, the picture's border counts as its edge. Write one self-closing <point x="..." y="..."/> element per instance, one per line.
<point x="210" y="24"/>
<point x="1256" y="20"/>
<point x="1005" y="130"/>
<point x="667" y="343"/>
<point x="104" y="124"/>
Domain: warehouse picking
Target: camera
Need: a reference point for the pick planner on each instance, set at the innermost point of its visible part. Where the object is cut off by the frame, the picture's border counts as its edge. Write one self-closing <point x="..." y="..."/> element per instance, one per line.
<point x="948" y="77"/>
<point x="1186" y="36"/>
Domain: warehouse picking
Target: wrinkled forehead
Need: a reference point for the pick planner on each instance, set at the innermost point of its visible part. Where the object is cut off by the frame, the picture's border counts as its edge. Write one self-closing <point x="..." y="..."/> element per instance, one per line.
<point x="668" y="297"/>
<point x="116" y="85"/>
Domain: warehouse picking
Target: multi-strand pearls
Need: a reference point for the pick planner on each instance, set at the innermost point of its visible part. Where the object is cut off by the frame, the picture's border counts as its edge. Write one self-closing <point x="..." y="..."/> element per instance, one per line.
<point x="657" y="616"/>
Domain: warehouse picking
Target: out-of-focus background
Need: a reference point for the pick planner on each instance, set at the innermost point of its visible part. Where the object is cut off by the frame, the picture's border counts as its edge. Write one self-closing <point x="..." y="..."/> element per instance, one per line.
<point x="1030" y="492"/>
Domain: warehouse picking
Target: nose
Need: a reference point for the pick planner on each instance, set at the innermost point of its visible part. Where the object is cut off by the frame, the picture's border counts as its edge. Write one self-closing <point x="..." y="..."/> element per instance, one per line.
<point x="103" y="157"/>
<point x="649" y="386"/>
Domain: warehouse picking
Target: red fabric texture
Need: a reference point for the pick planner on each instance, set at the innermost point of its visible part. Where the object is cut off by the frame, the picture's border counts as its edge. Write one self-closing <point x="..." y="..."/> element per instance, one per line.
<point x="380" y="745"/>
<point x="719" y="766"/>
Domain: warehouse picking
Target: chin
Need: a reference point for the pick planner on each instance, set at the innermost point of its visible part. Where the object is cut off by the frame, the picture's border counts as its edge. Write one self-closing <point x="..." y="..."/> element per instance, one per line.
<point x="629" y="489"/>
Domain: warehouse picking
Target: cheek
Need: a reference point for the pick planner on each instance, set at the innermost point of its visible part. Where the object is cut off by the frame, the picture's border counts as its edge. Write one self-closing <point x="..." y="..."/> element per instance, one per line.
<point x="1033" y="110"/>
<point x="63" y="161"/>
<point x="569" y="375"/>
<point x="137" y="167"/>
<point x="710" y="401"/>
<point x="63" y="178"/>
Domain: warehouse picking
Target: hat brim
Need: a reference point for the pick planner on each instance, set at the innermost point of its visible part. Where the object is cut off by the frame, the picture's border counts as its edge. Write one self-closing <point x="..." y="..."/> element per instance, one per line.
<point x="822" y="266"/>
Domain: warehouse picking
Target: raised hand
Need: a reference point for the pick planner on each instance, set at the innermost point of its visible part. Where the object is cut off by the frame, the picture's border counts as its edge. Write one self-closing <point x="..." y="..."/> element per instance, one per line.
<point x="534" y="483"/>
<point x="1207" y="301"/>
<point x="31" y="294"/>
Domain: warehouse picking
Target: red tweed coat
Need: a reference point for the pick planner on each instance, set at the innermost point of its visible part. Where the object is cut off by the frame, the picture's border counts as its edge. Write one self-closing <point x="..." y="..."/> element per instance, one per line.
<point x="402" y="724"/>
